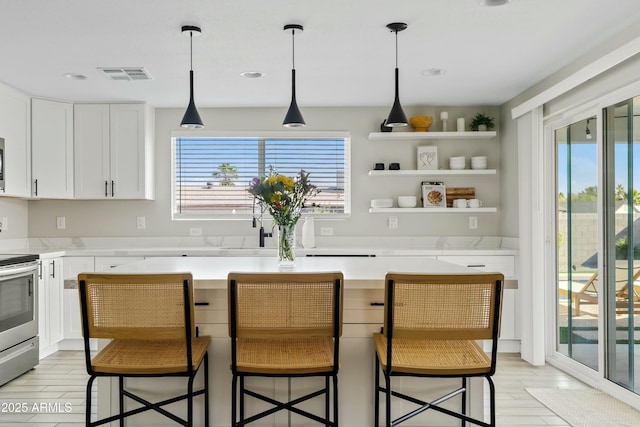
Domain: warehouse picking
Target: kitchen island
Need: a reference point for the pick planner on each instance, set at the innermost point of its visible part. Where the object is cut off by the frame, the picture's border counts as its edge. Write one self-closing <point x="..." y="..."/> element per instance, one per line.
<point x="363" y="315"/>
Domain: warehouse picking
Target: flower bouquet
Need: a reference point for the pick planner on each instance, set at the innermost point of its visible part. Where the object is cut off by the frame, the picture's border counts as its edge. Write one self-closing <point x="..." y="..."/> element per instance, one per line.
<point x="284" y="198"/>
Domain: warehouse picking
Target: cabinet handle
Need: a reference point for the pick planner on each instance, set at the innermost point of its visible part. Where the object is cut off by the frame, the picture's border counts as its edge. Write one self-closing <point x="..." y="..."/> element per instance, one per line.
<point x="201" y="303"/>
<point x="40" y="270"/>
<point x="53" y="269"/>
<point x="30" y="287"/>
<point x="112" y="189"/>
<point x="476" y="265"/>
<point x="35" y="181"/>
<point x="376" y="304"/>
<point x="106" y="189"/>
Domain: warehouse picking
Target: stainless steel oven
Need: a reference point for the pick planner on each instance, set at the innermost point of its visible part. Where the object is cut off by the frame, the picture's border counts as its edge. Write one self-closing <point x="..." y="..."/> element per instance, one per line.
<point x="18" y="315"/>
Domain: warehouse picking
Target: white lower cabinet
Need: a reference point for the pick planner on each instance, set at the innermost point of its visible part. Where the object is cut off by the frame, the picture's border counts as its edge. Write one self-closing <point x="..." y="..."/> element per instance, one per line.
<point x="106" y="263"/>
<point x="50" y="303"/>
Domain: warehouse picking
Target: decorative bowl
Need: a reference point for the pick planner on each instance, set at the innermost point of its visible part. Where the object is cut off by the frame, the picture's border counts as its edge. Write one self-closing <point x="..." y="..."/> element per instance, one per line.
<point x="407" y="201"/>
<point x="421" y="123"/>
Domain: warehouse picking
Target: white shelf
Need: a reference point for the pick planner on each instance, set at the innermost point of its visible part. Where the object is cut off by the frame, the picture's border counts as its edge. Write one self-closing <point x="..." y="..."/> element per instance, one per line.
<point x="438" y="172"/>
<point x="413" y="136"/>
<point x="433" y="210"/>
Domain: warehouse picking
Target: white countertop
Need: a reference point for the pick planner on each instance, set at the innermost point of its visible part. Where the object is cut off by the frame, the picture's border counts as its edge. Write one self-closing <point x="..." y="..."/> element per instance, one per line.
<point x="359" y="272"/>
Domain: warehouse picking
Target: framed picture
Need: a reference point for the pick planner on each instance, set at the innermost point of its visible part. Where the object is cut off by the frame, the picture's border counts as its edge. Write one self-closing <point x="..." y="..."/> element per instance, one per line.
<point x="427" y="158"/>
<point x="434" y="195"/>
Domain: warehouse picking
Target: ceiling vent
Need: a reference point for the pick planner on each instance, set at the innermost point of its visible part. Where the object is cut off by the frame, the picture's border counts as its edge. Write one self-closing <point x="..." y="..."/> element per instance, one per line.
<point x="126" y="74"/>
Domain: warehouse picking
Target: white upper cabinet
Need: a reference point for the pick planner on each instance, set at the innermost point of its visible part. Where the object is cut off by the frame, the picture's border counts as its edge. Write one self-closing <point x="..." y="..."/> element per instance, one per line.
<point x="15" y="128"/>
<point x="113" y="151"/>
<point x="51" y="149"/>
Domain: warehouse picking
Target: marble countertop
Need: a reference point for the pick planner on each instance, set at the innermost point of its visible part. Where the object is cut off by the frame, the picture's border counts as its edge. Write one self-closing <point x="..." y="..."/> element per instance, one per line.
<point x="359" y="272"/>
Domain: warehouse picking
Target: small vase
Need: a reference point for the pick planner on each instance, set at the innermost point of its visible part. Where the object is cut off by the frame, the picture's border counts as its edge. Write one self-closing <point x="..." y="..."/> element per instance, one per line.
<point x="286" y="245"/>
<point x="482" y="128"/>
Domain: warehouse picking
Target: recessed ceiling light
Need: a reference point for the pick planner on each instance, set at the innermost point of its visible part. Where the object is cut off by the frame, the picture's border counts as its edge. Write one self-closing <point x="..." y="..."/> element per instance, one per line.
<point x="74" y="76"/>
<point x="252" y="74"/>
<point x="433" y="72"/>
<point x="493" y="2"/>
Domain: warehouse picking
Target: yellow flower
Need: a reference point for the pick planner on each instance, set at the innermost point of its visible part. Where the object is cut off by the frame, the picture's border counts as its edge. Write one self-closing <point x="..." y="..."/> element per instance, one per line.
<point x="276" y="198"/>
<point x="272" y="179"/>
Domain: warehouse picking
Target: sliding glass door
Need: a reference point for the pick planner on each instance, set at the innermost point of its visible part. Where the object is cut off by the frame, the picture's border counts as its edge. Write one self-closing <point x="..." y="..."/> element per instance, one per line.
<point x="577" y="241"/>
<point x="622" y="240"/>
<point x="597" y="213"/>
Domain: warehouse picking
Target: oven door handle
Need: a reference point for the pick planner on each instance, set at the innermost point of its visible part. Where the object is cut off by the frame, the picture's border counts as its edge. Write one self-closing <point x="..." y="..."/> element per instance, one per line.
<point x="18" y="271"/>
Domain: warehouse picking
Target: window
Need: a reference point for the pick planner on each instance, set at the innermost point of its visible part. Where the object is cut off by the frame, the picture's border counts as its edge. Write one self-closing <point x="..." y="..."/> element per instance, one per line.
<point x="212" y="173"/>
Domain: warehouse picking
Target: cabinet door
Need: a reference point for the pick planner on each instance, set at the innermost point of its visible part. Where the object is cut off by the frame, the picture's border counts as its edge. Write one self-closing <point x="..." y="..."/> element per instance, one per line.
<point x="52" y="149"/>
<point x="56" y="300"/>
<point x="127" y="150"/>
<point x="50" y="305"/>
<point x="91" y="151"/>
<point x="15" y="128"/>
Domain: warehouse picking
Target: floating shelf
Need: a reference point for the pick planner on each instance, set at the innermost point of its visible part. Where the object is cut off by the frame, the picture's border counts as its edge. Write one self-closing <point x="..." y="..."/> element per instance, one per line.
<point x="433" y="210"/>
<point x="414" y="136"/>
<point x="438" y="172"/>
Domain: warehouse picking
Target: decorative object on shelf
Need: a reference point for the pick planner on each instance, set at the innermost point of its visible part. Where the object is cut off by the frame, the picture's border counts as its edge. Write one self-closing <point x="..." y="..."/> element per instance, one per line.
<point x="460" y="124"/>
<point x="421" y="123"/>
<point x="407" y="201"/>
<point x="427" y="158"/>
<point x="481" y="122"/>
<point x="284" y="197"/>
<point x="444" y="117"/>
<point x="474" y="203"/>
<point x="381" y="203"/>
<point x="378" y="167"/>
<point x="479" y="162"/>
<point x="434" y="194"/>
<point x="457" y="163"/>
<point x="294" y="116"/>
<point x="454" y="193"/>
<point x="384" y="127"/>
<point x="394" y="166"/>
<point x="460" y="203"/>
<point x="397" y="117"/>
<point x="191" y="117"/>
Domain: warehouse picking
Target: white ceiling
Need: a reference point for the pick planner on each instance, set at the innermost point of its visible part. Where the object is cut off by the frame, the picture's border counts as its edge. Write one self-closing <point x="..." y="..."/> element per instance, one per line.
<point x="344" y="57"/>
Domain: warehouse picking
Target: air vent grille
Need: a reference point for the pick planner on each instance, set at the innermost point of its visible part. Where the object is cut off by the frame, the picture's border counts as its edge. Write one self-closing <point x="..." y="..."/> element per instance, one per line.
<point x="126" y="73"/>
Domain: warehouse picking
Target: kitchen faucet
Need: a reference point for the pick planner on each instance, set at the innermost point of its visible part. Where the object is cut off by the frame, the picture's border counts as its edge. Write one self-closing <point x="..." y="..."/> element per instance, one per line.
<point x="261" y="234"/>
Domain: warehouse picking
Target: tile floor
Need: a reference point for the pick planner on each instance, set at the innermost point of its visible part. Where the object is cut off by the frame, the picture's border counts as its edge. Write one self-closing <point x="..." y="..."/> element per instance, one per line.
<point x="60" y="380"/>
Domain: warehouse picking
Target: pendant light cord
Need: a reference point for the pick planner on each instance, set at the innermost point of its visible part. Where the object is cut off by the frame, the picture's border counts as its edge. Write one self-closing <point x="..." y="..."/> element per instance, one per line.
<point x="396" y="48"/>
<point x="293" y="47"/>
<point x="191" y="50"/>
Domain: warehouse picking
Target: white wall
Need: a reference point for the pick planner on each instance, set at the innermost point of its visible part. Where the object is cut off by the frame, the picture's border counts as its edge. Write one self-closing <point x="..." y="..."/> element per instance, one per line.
<point x="118" y="218"/>
<point x="15" y="210"/>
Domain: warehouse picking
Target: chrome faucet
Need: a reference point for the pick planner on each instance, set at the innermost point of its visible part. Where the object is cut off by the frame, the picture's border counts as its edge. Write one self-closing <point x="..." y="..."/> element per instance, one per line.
<point x="261" y="234"/>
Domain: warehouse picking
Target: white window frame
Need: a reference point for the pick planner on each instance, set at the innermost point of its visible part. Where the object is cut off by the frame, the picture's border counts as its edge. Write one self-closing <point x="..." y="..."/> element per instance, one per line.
<point x="175" y="216"/>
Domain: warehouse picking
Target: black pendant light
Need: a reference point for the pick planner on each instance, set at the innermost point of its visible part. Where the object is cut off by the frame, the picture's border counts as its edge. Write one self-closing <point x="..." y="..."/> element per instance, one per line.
<point x="191" y="117"/>
<point x="294" y="116"/>
<point x="397" y="117"/>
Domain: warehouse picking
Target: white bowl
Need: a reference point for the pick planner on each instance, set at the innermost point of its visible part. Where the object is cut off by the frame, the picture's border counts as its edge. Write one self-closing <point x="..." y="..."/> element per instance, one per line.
<point x="457" y="159"/>
<point x="407" y="201"/>
<point x="456" y="167"/>
<point x="479" y="159"/>
<point x="381" y="203"/>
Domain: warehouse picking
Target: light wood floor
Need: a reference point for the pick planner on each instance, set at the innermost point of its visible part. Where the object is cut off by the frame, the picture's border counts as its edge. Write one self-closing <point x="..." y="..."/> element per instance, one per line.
<point x="60" y="380"/>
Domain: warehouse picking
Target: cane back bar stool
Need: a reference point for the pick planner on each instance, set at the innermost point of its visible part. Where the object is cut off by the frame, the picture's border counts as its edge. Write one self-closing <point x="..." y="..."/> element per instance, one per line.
<point x="149" y="319"/>
<point x="285" y="325"/>
<point x="431" y="328"/>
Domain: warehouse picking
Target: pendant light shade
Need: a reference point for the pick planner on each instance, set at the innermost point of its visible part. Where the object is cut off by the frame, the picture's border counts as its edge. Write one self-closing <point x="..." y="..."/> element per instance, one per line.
<point x="191" y="117"/>
<point x="397" y="117"/>
<point x="294" y="116"/>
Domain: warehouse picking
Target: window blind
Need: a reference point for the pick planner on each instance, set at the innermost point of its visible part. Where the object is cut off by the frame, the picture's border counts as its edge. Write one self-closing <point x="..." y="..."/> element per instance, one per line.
<point x="212" y="174"/>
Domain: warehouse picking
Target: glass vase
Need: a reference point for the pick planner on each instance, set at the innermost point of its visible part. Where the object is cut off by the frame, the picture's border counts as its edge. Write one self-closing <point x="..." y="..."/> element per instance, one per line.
<point x="286" y="245"/>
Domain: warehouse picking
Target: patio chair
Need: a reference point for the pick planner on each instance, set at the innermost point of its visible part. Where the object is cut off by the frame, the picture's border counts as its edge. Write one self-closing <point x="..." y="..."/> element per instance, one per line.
<point x="588" y="294"/>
